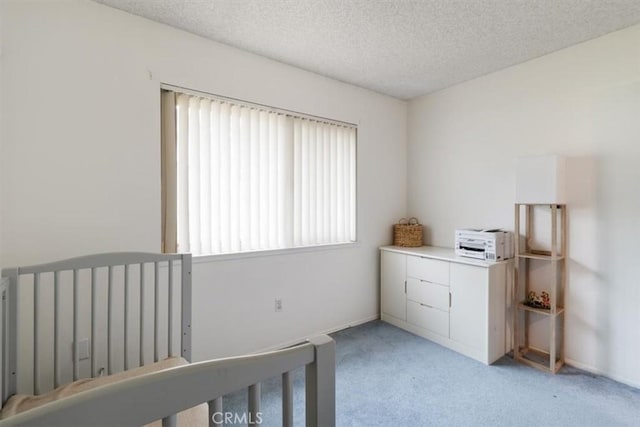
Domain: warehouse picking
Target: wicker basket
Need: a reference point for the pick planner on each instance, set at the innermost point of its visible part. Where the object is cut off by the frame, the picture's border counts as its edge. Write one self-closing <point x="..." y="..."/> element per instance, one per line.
<point x="407" y="233"/>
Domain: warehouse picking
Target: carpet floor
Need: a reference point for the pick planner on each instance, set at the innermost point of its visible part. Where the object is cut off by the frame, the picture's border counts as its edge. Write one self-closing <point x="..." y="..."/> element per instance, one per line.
<point x="389" y="377"/>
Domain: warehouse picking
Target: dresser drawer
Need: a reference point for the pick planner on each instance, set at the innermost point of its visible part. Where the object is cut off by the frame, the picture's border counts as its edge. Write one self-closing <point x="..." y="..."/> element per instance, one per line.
<point x="428" y="318"/>
<point x="431" y="270"/>
<point x="428" y="293"/>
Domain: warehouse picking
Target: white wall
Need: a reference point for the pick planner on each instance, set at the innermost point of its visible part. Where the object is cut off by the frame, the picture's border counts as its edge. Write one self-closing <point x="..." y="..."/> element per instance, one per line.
<point x="80" y="164"/>
<point x="583" y="102"/>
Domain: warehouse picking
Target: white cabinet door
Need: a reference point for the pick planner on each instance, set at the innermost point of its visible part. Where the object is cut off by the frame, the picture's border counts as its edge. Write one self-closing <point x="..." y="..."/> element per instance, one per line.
<point x="393" y="298"/>
<point x="468" y="315"/>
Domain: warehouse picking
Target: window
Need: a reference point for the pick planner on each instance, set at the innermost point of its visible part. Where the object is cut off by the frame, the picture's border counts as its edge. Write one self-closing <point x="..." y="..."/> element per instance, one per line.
<point x="240" y="177"/>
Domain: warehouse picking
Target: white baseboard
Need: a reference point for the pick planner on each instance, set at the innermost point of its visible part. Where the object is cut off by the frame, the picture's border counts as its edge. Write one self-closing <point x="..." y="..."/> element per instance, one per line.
<point x="597" y="371"/>
<point x="325" y="332"/>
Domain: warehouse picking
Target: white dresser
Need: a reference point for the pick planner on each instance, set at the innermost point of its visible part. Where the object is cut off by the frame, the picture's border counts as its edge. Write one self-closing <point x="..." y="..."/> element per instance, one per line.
<point x="457" y="302"/>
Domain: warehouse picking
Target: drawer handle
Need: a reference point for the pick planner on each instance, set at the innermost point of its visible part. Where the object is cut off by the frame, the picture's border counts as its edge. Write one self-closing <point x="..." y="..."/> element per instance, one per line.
<point x="425" y="305"/>
<point x="432" y="283"/>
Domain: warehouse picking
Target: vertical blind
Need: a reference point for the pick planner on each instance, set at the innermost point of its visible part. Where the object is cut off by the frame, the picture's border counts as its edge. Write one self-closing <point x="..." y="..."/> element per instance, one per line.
<point x="248" y="178"/>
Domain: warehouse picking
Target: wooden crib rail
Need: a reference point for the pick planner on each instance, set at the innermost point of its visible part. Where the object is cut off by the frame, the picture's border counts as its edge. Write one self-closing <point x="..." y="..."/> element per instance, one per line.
<point x="160" y="395"/>
<point x="110" y="259"/>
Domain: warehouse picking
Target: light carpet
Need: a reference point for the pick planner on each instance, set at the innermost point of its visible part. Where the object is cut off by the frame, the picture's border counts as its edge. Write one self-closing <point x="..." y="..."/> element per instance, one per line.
<point x="388" y="377"/>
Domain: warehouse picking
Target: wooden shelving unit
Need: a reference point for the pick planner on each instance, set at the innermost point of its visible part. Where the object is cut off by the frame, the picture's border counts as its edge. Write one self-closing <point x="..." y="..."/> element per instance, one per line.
<point x="551" y="358"/>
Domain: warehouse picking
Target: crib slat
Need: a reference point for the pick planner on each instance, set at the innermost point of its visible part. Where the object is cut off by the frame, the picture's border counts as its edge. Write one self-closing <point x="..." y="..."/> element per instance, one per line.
<point x="56" y="326"/>
<point x="109" y="319"/>
<point x="254" y="401"/>
<point x="94" y="330"/>
<point x="4" y="339"/>
<point x="142" y="314"/>
<point x="126" y="317"/>
<point x="216" y="417"/>
<point x="170" y="351"/>
<point x="156" y="311"/>
<point x="287" y="400"/>
<point x="10" y="335"/>
<point x="76" y="332"/>
<point x="170" y="421"/>
<point x="185" y="306"/>
<point x="36" y="333"/>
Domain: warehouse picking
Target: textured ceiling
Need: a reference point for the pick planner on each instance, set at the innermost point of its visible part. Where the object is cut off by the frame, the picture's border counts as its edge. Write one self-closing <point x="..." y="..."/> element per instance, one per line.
<point x="403" y="48"/>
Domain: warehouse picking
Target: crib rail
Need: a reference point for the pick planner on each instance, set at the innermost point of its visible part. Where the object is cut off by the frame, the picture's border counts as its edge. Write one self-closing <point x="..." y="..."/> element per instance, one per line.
<point x="160" y="395"/>
<point x="83" y="276"/>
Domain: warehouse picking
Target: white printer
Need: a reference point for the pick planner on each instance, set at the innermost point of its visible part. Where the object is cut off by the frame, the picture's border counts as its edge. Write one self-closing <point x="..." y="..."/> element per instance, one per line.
<point x="485" y="244"/>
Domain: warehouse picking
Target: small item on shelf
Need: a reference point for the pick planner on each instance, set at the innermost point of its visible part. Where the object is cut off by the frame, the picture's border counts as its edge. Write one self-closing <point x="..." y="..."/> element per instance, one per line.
<point x="543" y="301"/>
<point x="407" y="233"/>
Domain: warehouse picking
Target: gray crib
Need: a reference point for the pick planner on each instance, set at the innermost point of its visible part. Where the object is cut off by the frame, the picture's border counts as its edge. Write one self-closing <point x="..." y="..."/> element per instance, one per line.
<point x="117" y="314"/>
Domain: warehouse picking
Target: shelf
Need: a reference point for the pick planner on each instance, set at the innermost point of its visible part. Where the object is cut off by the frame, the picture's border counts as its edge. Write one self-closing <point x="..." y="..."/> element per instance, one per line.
<point x="545" y="312"/>
<point x="555" y="252"/>
<point x="537" y="359"/>
<point x="540" y="255"/>
<point x="557" y="205"/>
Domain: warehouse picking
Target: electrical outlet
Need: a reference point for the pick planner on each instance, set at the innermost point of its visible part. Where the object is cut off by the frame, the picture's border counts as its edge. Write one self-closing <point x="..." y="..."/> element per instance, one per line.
<point x="278" y="305"/>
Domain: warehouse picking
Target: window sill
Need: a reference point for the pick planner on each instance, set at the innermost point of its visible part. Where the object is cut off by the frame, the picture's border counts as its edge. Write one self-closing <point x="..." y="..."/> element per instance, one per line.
<point x="198" y="259"/>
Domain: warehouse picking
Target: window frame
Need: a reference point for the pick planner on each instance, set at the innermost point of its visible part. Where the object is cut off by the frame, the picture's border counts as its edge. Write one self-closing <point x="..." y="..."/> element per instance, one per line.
<point x="169" y="240"/>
